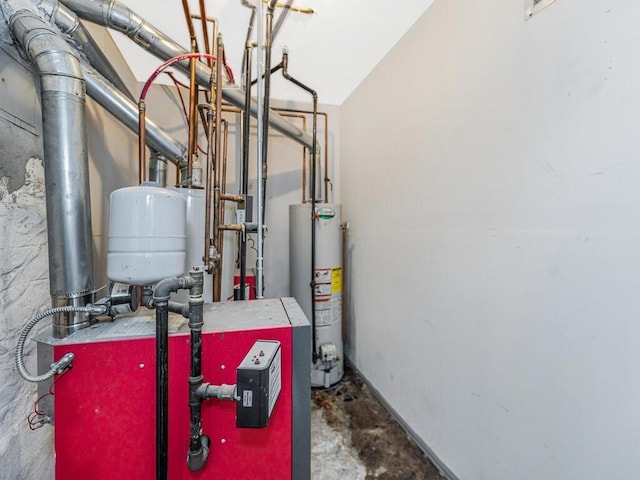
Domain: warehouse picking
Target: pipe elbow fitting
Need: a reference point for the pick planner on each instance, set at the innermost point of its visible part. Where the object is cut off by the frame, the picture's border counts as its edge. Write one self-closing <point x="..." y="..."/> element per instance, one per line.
<point x="196" y="460"/>
<point x="165" y="287"/>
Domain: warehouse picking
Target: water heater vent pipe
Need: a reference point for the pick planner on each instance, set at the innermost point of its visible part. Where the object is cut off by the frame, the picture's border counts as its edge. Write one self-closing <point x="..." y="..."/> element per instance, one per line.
<point x="62" y="93"/>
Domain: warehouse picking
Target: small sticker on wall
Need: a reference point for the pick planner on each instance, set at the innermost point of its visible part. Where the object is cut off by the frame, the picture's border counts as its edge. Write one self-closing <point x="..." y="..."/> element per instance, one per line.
<point x="531" y="7"/>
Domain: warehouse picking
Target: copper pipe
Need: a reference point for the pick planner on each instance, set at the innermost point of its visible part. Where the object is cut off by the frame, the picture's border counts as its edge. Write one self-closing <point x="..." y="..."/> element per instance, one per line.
<point x="205" y="29"/>
<point x="225" y="149"/>
<point x="207" y="196"/>
<point x="230" y="197"/>
<point x="234" y="227"/>
<point x="304" y="148"/>
<point x="326" y="144"/>
<point x="193" y="92"/>
<point x="304" y="151"/>
<point x="231" y="110"/>
<point x="223" y="191"/>
<point x="293" y="8"/>
<point x="187" y="15"/>
<point x="210" y="172"/>
<point x="142" y="134"/>
<point x="217" y="237"/>
<point x="193" y="119"/>
<point x="214" y="37"/>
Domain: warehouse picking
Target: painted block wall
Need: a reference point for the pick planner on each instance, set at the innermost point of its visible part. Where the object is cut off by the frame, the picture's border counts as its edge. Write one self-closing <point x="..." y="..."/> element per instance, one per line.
<point x="24" y="276"/>
<point x="490" y="175"/>
<point x="23" y="265"/>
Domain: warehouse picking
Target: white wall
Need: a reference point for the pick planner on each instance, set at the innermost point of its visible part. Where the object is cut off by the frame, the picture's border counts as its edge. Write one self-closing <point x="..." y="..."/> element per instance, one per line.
<point x="490" y="176"/>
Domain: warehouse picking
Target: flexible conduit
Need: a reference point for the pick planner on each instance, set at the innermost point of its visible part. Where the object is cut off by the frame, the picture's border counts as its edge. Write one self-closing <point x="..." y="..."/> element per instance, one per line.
<point x="61" y="364"/>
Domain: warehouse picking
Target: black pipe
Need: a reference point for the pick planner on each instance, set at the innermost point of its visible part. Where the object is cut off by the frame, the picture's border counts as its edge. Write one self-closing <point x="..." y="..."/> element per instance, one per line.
<point x="312" y="284"/>
<point x="162" y="390"/>
<point x="265" y="107"/>
<point x="181" y="308"/>
<point x="272" y="71"/>
<point x="161" y="301"/>
<point x="248" y="42"/>
<point x="244" y="190"/>
<point x="198" y="443"/>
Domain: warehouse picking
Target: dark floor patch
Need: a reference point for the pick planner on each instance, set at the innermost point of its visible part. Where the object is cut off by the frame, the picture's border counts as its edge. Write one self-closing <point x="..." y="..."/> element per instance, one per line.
<point x="381" y="443"/>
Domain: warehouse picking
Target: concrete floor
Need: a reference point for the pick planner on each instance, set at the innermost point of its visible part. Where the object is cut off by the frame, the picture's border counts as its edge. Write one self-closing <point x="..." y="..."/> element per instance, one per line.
<point x="353" y="437"/>
<point x="333" y="456"/>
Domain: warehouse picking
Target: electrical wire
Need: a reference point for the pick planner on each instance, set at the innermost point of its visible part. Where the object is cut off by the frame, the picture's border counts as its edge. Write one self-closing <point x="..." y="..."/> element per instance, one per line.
<point x="38" y="419"/>
<point x="171" y="61"/>
<point x="252" y="247"/>
<point x="229" y="73"/>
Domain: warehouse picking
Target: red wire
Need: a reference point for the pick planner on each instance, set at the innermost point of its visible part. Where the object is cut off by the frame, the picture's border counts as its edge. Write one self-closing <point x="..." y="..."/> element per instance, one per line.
<point x="32" y="419"/>
<point x="227" y="68"/>
<point x="169" y="62"/>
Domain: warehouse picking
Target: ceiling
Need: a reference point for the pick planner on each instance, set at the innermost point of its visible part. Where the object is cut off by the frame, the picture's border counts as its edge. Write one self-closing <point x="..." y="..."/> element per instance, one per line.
<point x="331" y="50"/>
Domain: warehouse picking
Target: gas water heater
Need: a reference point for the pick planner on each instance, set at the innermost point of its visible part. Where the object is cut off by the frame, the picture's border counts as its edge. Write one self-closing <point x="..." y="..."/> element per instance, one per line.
<point x="324" y="302"/>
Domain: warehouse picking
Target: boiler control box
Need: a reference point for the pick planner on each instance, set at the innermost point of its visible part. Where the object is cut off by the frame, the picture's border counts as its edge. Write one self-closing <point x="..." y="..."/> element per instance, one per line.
<point x="259" y="381"/>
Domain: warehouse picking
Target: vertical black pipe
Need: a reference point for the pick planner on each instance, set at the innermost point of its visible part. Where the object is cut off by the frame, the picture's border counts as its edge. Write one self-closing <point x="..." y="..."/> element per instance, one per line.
<point x="162" y="389"/>
<point x="314" y="154"/>
<point x="161" y="295"/>
<point x="195" y="378"/>
<point x="266" y="111"/>
<point x="246" y="135"/>
<point x="313" y="226"/>
<point x="198" y="443"/>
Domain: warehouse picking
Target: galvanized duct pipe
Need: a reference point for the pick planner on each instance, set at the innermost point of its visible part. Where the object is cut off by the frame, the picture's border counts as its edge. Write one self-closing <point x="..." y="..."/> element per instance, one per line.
<point x="125" y="110"/>
<point x="62" y="93"/>
<point x="117" y="16"/>
<point x="68" y="23"/>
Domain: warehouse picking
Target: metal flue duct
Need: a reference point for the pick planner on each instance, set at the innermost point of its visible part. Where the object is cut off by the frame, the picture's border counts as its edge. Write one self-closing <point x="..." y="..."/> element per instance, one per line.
<point x="62" y="92"/>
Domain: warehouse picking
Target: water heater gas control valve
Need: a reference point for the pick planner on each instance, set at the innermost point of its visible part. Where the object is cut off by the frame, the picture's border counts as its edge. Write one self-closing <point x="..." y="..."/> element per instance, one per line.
<point x="328" y="352"/>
